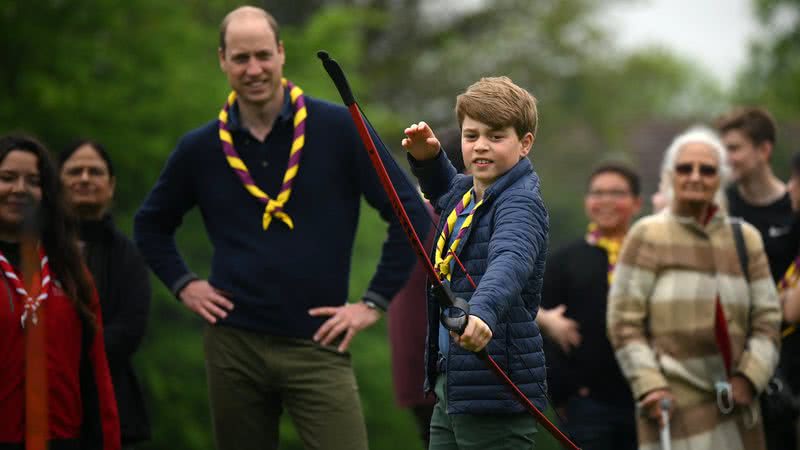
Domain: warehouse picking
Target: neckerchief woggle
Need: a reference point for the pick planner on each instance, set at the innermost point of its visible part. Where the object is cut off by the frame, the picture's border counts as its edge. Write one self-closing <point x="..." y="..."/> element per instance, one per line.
<point x="274" y="207"/>
<point x="31" y="302"/>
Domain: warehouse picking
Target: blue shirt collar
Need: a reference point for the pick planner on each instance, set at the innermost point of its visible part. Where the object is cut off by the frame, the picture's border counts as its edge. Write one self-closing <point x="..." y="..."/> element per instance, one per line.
<point x="286" y="113"/>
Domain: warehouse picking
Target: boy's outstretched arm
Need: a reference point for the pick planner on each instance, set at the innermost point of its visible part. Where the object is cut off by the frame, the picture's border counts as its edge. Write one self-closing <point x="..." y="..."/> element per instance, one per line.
<point x="428" y="163"/>
<point x="421" y="142"/>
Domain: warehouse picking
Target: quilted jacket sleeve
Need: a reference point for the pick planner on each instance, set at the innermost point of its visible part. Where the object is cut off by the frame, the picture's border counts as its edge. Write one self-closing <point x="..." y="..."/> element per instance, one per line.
<point x="519" y="235"/>
<point x="435" y="177"/>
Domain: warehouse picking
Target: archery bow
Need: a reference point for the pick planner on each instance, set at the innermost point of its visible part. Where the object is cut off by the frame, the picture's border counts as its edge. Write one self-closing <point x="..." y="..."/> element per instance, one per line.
<point x="455" y="311"/>
<point x="36" y="416"/>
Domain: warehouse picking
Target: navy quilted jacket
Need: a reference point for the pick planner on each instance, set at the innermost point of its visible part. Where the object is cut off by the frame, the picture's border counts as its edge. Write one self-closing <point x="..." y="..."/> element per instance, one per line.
<point x="504" y="251"/>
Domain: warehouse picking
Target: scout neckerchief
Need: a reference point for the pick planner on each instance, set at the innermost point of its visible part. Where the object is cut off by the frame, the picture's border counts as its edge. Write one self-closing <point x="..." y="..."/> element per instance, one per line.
<point x="791" y="276"/>
<point x="275" y="206"/>
<point x="442" y="259"/>
<point x="611" y="246"/>
<point x="31" y="303"/>
<point x="790" y="279"/>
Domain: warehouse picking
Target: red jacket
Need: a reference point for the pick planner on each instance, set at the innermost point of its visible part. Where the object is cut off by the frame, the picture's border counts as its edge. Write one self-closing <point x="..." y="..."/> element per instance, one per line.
<point x="408" y="326"/>
<point x="74" y="392"/>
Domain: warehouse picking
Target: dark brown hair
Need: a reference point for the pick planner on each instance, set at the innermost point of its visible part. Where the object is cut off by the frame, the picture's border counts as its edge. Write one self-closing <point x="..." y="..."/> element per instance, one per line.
<point x="630" y="176"/>
<point x="58" y="233"/>
<point x="756" y="123"/>
<point x="99" y="148"/>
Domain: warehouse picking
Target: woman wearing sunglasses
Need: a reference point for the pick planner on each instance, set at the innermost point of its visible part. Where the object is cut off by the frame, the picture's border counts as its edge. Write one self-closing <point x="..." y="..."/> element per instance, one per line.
<point x="695" y="334"/>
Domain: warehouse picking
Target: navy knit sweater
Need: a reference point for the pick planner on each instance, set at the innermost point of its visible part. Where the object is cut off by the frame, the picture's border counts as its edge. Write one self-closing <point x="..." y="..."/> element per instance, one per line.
<point x="276" y="275"/>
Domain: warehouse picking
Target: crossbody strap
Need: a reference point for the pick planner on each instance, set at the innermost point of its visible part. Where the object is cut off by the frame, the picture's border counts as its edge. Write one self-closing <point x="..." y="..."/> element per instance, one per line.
<point x="741" y="250"/>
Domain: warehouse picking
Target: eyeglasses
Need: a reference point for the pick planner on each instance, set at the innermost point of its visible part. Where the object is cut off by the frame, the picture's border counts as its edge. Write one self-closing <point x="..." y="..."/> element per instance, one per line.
<point x="614" y="194"/>
<point x="706" y="170"/>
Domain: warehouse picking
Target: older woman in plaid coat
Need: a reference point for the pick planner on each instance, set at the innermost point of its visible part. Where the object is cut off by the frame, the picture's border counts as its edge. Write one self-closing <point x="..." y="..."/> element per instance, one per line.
<point x="685" y="321"/>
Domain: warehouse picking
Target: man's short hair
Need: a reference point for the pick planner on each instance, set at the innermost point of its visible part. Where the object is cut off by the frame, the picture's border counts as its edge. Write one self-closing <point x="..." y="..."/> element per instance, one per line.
<point x="756" y="123"/>
<point x="499" y="103"/>
<point x="630" y="176"/>
<point x="252" y="10"/>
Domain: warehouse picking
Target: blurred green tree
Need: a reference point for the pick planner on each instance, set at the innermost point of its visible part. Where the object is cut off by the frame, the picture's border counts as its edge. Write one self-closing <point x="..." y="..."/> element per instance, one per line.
<point x="137" y="75"/>
<point x="772" y="77"/>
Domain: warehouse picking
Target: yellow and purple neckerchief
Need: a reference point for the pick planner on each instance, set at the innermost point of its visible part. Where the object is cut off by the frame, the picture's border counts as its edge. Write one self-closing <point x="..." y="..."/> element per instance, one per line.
<point x="790" y="279"/>
<point x="791" y="276"/>
<point x="611" y="246"/>
<point x="442" y="259"/>
<point x="274" y="208"/>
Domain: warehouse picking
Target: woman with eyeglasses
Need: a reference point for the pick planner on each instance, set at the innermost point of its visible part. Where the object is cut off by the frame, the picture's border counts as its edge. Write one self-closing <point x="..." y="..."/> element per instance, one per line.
<point x="55" y="387"/>
<point x="119" y="272"/>
<point x="693" y="313"/>
<point x="584" y="379"/>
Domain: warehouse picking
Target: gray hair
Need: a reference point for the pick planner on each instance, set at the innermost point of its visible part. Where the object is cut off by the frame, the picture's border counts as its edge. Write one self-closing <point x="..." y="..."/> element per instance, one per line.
<point x="702" y="135"/>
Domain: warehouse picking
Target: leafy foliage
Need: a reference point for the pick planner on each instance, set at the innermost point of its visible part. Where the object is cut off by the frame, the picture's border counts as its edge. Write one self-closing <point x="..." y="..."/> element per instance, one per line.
<point x="136" y="75"/>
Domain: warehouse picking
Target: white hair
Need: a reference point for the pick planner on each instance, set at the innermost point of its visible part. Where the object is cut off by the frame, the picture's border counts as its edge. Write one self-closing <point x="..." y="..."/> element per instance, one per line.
<point x="702" y="135"/>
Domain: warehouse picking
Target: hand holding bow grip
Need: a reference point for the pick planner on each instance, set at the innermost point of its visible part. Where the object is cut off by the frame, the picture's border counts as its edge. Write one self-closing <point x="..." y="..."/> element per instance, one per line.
<point x="455" y="312"/>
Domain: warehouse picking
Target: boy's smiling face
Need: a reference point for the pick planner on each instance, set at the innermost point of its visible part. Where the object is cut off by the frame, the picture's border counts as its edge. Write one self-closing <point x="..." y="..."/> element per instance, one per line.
<point x="489" y="152"/>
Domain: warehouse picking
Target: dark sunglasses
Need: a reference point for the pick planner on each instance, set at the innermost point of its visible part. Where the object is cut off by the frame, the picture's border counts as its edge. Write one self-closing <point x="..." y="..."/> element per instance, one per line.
<point x="705" y="170"/>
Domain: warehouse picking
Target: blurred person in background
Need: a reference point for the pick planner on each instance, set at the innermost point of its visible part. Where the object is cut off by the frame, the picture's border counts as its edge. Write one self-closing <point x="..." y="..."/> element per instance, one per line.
<point x="53" y="323"/>
<point x="761" y="199"/>
<point x="119" y="272"/>
<point x="687" y="323"/>
<point x="585" y="382"/>
<point x="789" y="286"/>
<point x="658" y="201"/>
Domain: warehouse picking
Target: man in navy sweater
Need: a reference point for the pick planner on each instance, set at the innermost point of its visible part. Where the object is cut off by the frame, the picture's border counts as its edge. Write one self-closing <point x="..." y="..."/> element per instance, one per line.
<point x="279" y="180"/>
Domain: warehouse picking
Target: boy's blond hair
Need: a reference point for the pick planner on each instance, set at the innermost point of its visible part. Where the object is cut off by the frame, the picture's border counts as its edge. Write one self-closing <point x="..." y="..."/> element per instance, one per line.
<point x="499" y="103"/>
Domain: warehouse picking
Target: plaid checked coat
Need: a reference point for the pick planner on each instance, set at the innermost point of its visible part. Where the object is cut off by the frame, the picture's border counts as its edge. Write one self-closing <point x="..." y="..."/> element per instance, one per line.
<point x="661" y="315"/>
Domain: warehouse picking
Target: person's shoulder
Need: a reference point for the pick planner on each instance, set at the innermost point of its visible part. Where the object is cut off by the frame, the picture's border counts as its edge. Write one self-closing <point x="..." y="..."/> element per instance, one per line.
<point x="122" y="244"/>
<point x="650" y="227"/>
<point x="569" y="250"/>
<point x="197" y="140"/>
<point x="203" y="135"/>
<point x="327" y="111"/>
<point x="525" y="188"/>
<point x="524" y="193"/>
<point x="752" y="237"/>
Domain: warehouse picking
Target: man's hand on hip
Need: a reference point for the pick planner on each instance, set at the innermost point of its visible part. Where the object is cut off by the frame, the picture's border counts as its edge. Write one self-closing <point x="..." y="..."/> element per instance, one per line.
<point x="205" y="300"/>
<point x="349" y="319"/>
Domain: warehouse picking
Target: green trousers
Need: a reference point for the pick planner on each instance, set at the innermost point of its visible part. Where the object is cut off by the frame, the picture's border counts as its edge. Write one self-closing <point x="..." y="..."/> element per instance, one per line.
<point x="252" y="378"/>
<point x="478" y="431"/>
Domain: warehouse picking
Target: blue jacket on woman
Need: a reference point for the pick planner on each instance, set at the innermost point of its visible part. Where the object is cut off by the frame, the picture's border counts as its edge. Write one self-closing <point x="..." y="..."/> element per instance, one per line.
<point x="504" y="252"/>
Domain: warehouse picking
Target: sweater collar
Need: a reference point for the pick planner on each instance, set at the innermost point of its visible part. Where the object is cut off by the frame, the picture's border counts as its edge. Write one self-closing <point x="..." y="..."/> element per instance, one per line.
<point x="286" y="113"/>
<point x="716" y="218"/>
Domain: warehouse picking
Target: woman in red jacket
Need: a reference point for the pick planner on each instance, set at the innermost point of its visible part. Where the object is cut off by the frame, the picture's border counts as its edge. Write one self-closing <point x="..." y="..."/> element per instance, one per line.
<point x="54" y="380"/>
